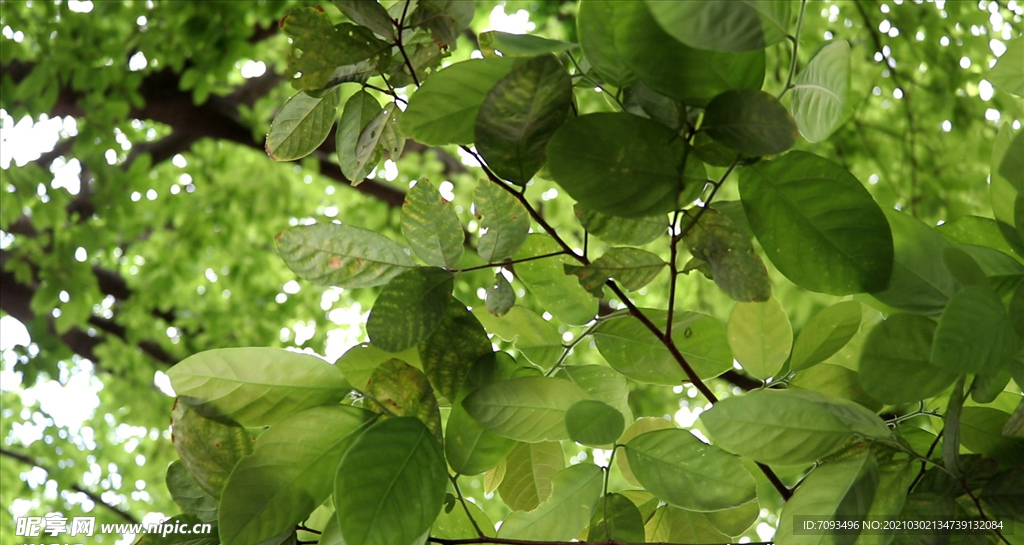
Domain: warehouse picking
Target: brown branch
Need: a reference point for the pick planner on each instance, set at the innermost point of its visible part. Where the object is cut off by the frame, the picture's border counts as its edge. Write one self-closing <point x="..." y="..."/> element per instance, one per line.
<point x="28" y="460"/>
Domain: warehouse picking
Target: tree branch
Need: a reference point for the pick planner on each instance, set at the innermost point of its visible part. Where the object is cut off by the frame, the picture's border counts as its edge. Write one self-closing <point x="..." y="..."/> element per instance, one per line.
<point x="26" y="459"/>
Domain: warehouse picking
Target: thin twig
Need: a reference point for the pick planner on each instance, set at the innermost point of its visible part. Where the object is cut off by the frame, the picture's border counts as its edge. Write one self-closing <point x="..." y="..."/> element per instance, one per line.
<point x="795" y="38"/>
<point x="507" y="262"/>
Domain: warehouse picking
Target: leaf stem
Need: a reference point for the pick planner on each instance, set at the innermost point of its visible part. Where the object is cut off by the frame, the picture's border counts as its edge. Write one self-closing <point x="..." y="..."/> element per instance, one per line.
<point x="507" y="262"/>
<point x="795" y="38"/>
<point x="673" y="274"/>
<point x="401" y="47"/>
<point x="462" y="500"/>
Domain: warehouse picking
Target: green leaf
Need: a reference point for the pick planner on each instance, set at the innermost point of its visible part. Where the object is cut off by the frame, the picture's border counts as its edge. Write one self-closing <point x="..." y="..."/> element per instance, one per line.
<point x="454" y="523"/>
<point x="445" y="19"/>
<point x="1003" y="495"/>
<point x="565" y="513"/>
<point x="631" y="349"/>
<point x="736" y="26"/>
<point x="409" y="309"/>
<point x="371" y="15"/>
<point x="399" y="389"/>
<point x="818" y="224"/>
<point x="642" y="425"/>
<point x="618" y="164"/>
<point x="360" y="110"/>
<point x="443" y="110"/>
<point x="692" y="76"/>
<point x="528" y="472"/>
<point x="963" y="267"/>
<point x="469" y="448"/>
<point x="920" y="282"/>
<point x="1012" y="166"/>
<point x="561" y="295"/>
<point x="505" y="219"/>
<point x="500" y="297"/>
<point x="301" y="125"/>
<point x="735" y="521"/>
<point x="631" y="267"/>
<point x="431" y="226"/>
<point x="760" y="337"/>
<point x="673" y="525"/>
<point x="449" y="353"/>
<point x="325" y="54"/>
<point x="602" y="384"/>
<point x="894" y="479"/>
<point x="1007" y="75"/>
<point x="282" y="481"/>
<point x="975" y="334"/>
<point x="616" y="518"/>
<point x="536" y="338"/>
<point x="256" y="386"/>
<point x="896" y="366"/>
<point x="529" y="409"/>
<point x="342" y="255"/>
<point x="841" y="490"/>
<point x="672" y="464"/>
<point x="519" y="115"/>
<point x="595" y="25"/>
<point x="721" y="244"/>
<point x="616" y="230"/>
<point x="594" y="423"/>
<point x="390" y="485"/>
<point x="190" y="497"/>
<point x="951" y="431"/>
<point x="359" y="362"/>
<point x="981" y="431"/>
<point x="821" y="91"/>
<point x="835" y="380"/>
<point x="751" y="122"/>
<point x="208" y="449"/>
<point x="520" y="45"/>
<point x="789" y="426"/>
<point x="825" y="333"/>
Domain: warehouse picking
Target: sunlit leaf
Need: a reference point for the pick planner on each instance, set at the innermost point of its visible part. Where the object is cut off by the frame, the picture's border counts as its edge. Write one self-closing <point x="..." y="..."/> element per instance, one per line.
<point x="359" y="362"/>
<point x="821" y="91"/>
<point x="602" y="384"/>
<point x="825" y="333"/>
<point x="641" y="426"/>
<point x="671" y="464"/>
<point x="256" y="386"/>
<point x="788" y="426"/>
<point x="673" y="525"/>
<point x="565" y="513"/>
<point x="390" y="485"/>
<point x="528" y="472"/>
<point x="301" y="125"/>
<point x="536" y="338"/>
<point x="342" y="255"/>
<point x="760" y="336"/>
<point x="360" y="111"/>
<point x="530" y="409"/>
<point x="545" y="278"/>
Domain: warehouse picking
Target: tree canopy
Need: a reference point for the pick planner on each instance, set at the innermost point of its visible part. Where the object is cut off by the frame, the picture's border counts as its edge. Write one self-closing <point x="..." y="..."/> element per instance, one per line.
<point x="651" y="271"/>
